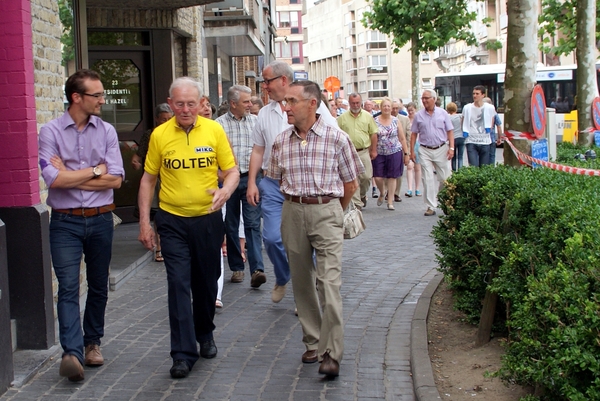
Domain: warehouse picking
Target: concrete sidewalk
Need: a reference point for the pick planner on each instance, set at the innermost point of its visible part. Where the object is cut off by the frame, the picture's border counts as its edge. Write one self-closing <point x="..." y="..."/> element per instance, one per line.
<point x="385" y="271"/>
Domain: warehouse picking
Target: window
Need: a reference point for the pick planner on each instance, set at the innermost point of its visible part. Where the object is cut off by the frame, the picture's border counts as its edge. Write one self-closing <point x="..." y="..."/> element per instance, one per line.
<point x="361" y="38"/>
<point x="378" y="88"/>
<point x="425" y="58"/>
<point x="361" y="62"/>
<point x="295" y="46"/>
<point x="426" y="82"/>
<point x="377" y="64"/>
<point x="287" y="19"/>
<point x="362" y="86"/>
<point x="376" y="40"/>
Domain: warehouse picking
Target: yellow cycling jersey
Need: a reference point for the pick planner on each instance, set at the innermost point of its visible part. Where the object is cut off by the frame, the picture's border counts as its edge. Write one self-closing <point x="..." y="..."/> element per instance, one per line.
<point x="187" y="164"/>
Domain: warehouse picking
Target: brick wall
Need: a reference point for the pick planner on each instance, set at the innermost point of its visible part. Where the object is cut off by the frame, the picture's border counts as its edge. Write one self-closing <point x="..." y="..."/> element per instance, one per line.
<point x="48" y="69"/>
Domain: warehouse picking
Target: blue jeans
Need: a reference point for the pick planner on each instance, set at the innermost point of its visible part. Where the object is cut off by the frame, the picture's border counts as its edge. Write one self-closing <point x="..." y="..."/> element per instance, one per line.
<point x="478" y="155"/>
<point x="191" y="247"/>
<point x="459" y="152"/>
<point x="252" y="216"/>
<point x="493" y="149"/>
<point x="272" y="203"/>
<point x="70" y="237"/>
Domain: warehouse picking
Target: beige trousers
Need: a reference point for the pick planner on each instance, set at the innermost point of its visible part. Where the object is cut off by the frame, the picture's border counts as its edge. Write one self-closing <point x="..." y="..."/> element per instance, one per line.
<point x="316" y="228"/>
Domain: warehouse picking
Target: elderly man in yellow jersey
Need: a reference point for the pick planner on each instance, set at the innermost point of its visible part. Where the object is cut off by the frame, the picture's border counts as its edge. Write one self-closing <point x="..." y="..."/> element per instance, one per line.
<point x="187" y="151"/>
<point x="361" y="127"/>
<point x="317" y="168"/>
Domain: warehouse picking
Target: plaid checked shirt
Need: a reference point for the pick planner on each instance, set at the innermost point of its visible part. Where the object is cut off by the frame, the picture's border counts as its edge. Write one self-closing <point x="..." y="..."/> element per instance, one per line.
<point x="239" y="133"/>
<point x="318" y="166"/>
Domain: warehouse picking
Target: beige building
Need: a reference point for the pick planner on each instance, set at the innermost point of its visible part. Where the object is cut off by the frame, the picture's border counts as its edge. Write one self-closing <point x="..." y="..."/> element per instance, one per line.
<point x="337" y="44"/>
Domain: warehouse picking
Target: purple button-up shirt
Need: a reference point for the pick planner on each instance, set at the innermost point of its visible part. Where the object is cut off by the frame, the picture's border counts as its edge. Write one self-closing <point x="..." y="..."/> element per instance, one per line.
<point x="97" y="143"/>
<point x="432" y="129"/>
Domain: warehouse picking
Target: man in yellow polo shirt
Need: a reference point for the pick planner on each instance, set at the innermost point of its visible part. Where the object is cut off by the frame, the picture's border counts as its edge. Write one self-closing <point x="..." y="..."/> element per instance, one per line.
<point x="360" y="126"/>
<point x="187" y="151"/>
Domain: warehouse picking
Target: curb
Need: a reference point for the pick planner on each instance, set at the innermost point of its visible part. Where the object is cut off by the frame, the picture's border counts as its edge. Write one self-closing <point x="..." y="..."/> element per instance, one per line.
<point x="423" y="382"/>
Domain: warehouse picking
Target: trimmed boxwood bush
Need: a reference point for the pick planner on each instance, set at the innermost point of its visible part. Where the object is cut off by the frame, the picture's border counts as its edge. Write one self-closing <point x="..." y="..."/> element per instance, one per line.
<point x="538" y="232"/>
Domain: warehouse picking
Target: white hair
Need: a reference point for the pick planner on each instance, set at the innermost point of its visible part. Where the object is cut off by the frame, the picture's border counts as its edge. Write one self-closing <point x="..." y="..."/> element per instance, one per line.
<point x="431" y="92"/>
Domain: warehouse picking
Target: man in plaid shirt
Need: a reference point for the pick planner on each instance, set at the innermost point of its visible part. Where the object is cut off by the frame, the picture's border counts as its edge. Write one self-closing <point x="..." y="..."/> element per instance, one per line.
<point x="318" y="168"/>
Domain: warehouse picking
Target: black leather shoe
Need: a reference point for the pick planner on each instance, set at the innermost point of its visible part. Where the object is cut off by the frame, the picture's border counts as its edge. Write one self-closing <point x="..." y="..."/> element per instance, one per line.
<point x="180" y="369"/>
<point x="329" y="366"/>
<point x="208" y="349"/>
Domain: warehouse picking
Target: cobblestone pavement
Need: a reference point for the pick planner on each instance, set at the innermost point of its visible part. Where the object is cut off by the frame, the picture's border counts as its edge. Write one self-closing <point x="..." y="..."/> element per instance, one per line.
<point x="385" y="270"/>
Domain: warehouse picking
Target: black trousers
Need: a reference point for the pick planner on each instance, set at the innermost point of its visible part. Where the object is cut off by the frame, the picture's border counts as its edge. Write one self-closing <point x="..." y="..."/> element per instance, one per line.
<point x="191" y="247"/>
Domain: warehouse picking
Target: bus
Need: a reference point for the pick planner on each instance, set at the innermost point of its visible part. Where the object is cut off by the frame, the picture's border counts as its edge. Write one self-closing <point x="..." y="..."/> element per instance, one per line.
<point x="558" y="82"/>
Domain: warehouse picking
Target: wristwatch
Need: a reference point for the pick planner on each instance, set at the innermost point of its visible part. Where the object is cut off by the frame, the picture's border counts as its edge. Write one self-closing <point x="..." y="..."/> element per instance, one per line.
<point x="97" y="171"/>
<point x="451" y="148"/>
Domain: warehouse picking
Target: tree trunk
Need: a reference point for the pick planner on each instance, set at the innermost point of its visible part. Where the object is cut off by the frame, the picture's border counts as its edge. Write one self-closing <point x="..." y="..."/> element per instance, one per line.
<point x="521" y="60"/>
<point x="416" y="75"/>
<point x="587" y="87"/>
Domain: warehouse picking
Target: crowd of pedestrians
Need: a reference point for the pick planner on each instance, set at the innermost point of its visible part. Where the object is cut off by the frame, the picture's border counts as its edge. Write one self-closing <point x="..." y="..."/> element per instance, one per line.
<point x="283" y="174"/>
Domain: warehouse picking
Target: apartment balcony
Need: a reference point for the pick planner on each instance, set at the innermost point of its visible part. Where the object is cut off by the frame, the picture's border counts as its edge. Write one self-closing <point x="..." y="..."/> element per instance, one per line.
<point x="234" y="26"/>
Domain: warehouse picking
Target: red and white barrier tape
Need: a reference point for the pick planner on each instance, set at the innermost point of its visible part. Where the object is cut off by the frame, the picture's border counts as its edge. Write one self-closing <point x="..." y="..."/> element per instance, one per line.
<point x="554" y="166"/>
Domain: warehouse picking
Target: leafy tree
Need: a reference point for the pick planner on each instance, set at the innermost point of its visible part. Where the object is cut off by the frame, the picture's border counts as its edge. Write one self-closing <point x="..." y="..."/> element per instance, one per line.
<point x="561" y="32"/>
<point x="65" y="12"/>
<point x="426" y="24"/>
<point x="557" y="30"/>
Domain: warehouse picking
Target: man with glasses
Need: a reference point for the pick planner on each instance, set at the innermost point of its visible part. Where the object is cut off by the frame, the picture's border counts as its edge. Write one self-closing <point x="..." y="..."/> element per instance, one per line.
<point x="272" y="120"/>
<point x="435" y="132"/>
<point x="187" y="152"/>
<point x="81" y="165"/>
<point x="318" y="169"/>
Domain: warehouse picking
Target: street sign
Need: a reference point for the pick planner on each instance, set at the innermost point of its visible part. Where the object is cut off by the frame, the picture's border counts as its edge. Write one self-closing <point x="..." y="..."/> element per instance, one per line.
<point x="300" y="76"/>
<point x="538" y="111"/>
<point x="596" y="112"/>
<point x="539" y="150"/>
<point x="332" y="84"/>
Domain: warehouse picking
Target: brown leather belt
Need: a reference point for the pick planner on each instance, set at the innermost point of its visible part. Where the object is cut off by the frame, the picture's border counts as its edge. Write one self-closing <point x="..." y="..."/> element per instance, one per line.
<point x="310" y="200"/>
<point x="360" y="150"/>
<point x="87" y="211"/>
<point x="433" y="147"/>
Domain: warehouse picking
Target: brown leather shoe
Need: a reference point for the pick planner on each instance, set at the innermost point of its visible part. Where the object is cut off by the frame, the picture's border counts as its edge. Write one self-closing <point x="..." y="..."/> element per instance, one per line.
<point x="329" y="366"/>
<point x="237" y="277"/>
<point x="93" y="356"/>
<point x="71" y="367"/>
<point x="310" y="356"/>
<point x="258" y="279"/>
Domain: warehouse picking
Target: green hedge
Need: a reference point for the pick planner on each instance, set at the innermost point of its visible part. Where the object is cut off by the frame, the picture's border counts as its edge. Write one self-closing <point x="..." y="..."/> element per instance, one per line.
<point x="539" y="230"/>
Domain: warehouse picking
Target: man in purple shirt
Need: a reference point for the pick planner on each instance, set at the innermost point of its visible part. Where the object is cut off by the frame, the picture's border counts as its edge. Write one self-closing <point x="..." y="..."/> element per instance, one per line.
<point x="435" y="132"/>
<point x="81" y="165"/>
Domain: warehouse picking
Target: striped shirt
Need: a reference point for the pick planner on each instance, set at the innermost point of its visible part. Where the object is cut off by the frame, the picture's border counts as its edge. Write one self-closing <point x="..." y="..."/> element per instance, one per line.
<point x="319" y="165"/>
<point x="239" y="133"/>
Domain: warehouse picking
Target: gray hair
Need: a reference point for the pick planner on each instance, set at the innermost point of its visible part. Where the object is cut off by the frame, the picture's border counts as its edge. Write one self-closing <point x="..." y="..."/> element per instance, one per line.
<point x="282" y="68"/>
<point x="162" y="108"/>
<point x="431" y="92"/>
<point x="185" y="81"/>
<point x="233" y="94"/>
<point x="257" y="100"/>
<point x="354" y="94"/>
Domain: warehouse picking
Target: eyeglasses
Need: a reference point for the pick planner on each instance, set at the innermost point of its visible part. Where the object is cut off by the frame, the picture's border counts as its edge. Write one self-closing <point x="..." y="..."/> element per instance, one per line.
<point x="96" y="95"/>
<point x="426" y="98"/>
<point x="268" y="81"/>
<point x="190" y="105"/>
<point x="291" y="101"/>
